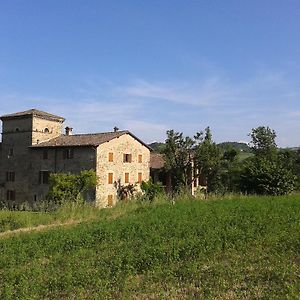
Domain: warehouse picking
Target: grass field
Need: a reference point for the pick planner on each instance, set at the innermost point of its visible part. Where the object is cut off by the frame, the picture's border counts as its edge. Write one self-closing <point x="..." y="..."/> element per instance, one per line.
<point x="239" y="248"/>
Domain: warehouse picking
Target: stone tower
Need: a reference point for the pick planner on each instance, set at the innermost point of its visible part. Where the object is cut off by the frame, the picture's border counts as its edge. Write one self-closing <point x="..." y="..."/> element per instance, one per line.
<point x="20" y="131"/>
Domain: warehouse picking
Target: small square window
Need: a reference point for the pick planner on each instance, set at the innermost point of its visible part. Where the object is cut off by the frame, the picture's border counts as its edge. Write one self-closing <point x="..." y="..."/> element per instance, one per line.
<point x="127" y="158"/>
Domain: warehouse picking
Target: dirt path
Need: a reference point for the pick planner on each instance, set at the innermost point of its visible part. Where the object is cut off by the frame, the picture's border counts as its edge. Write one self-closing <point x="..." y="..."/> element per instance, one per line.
<point x="9" y="233"/>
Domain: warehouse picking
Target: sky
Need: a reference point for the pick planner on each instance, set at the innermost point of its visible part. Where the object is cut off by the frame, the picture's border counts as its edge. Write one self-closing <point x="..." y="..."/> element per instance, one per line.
<point x="154" y="65"/>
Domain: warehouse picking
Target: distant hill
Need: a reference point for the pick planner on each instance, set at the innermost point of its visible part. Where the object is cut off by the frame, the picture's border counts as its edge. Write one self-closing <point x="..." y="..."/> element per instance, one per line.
<point x="157" y="146"/>
<point x="240" y="147"/>
<point x="291" y="148"/>
<point x="236" y="145"/>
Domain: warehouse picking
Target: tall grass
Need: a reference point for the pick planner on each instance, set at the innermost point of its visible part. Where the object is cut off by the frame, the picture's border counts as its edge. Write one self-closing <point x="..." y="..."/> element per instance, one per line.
<point x="221" y="249"/>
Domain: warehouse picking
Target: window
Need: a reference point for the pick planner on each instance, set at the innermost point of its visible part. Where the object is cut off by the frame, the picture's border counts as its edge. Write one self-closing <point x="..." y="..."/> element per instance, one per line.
<point x="140" y="159"/>
<point x="45" y="154"/>
<point x="68" y="153"/>
<point x="126" y="177"/>
<point x="11" y="152"/>
<point x="17" y="129"/>
<point x="110" y="200"/>
<point x="110" y="157"/>
<point x="11" y="195"/>
<point x="110" y="178"/>
<point x="10" y="176"/>
<point x="46" y="130"/>
<point x="44" y="177"/>
<point x="127" y="158"/>
<point x="140" y="177"/>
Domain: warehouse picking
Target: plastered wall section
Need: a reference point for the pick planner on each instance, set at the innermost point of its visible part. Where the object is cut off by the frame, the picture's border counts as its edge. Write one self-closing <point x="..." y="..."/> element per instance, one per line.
<point x="125" y="144"/>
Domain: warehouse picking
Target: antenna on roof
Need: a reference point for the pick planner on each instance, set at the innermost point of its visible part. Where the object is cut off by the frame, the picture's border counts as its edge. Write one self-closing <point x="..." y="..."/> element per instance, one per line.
<point x="116" y="129"/>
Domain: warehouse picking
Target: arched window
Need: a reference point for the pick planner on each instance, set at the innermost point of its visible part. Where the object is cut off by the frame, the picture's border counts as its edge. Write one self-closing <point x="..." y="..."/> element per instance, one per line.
<point x="17" y="129"/>
<point x="46" y="130"/>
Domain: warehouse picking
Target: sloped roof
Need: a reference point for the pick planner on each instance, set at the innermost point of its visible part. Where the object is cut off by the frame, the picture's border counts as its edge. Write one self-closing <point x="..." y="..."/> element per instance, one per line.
<point x="91" y="139"/>
<point x="33" y="112"/>
<point x="157" y="161"/>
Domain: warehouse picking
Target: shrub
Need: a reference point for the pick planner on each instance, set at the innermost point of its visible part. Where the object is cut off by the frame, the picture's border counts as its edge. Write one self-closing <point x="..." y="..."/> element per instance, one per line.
<point x="266" y="177"/>
<point x="151" y="189"/>
<point x="66" y="187"/>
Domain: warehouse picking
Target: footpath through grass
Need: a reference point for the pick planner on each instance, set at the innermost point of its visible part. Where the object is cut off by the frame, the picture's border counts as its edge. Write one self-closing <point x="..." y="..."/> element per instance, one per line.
<point x="223" y="249"/>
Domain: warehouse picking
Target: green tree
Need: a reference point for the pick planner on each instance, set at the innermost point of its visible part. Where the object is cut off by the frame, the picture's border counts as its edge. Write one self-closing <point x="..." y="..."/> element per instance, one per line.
<point x="267" y="177"/>
<point x="291" y="159"/>
<point x="208" y="159"/>
<point x="178" y="159"/>
<point x="263" y="141"/>
<point x="268" y="172"/>
<point x="67" y="187"/>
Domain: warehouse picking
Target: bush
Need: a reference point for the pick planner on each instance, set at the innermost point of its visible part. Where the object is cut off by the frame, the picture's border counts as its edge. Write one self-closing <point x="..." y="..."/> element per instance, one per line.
<point x="266" y="177"/>
<point x="151" y="189"/>
<point x="66" y="187"/>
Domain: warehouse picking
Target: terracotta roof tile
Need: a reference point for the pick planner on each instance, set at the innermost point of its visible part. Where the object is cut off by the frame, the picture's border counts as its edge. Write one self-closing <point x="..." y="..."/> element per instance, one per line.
<point x="157" y="161"/>
<point x="91" y="139"/>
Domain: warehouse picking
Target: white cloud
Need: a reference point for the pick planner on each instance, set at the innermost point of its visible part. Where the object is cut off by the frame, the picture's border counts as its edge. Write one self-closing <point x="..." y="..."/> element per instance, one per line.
<point x="204" y="93"/>
<point x="149" y="131"/>
<point x="149" y="108"/>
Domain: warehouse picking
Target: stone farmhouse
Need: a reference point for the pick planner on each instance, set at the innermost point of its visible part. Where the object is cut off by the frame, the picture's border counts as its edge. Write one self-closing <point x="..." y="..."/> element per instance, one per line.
<point x="33" y="146"/>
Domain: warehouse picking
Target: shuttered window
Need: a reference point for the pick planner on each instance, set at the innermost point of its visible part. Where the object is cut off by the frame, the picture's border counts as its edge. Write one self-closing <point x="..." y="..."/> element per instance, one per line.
<point x="44" y="177"/>
<point x="11" y="152"/>
<point x="11" y="195"/>
<point x="45" y="154"/>
<point x="110" y="178"/>
<point x="110" y="200"/>
<point x="127" y="158"/>
<point x="110" y="157"/>
<point x="68" y="153"/>
<point x="10" y="176"/>
<point x="140" y="177"/>
<point x="140" y="158"/>
<point x="126" y="177"/>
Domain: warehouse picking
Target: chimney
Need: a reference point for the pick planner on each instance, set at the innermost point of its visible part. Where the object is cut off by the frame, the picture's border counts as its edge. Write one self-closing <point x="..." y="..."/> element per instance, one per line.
<point x="116" y="129"/>
<point x="69" y="130"/>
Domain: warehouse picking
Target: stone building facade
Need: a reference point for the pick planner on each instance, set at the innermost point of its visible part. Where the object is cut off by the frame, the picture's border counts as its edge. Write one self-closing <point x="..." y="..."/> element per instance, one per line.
<point x="33" y="146"/>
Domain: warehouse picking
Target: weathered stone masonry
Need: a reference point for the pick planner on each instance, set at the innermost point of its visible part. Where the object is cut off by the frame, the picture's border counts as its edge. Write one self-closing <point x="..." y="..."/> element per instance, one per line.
<point x="33" y="146"/>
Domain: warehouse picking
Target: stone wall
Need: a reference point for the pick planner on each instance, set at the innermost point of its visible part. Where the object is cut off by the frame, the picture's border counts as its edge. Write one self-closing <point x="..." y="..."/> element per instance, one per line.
<point x="125" y="144"/>
<point x="84" y="159"/>
<point x="43" y="130"/>
<point x="26" y="162"/>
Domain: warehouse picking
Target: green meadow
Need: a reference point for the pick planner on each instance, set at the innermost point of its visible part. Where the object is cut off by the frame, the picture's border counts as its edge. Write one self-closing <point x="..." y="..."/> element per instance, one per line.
<point x="230" y="248"/>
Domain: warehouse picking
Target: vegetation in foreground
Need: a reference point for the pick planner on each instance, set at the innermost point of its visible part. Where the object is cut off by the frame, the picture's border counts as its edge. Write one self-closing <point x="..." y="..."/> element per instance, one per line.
<point x="235" y="248"/>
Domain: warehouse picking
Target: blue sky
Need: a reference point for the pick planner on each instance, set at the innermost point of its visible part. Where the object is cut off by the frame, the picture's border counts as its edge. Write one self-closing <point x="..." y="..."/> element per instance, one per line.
<point x="150" y="66"/>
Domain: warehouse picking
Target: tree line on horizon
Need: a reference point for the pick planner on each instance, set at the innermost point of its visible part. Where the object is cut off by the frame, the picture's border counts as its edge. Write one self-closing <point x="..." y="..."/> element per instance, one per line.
<point x="257" y="168"/>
